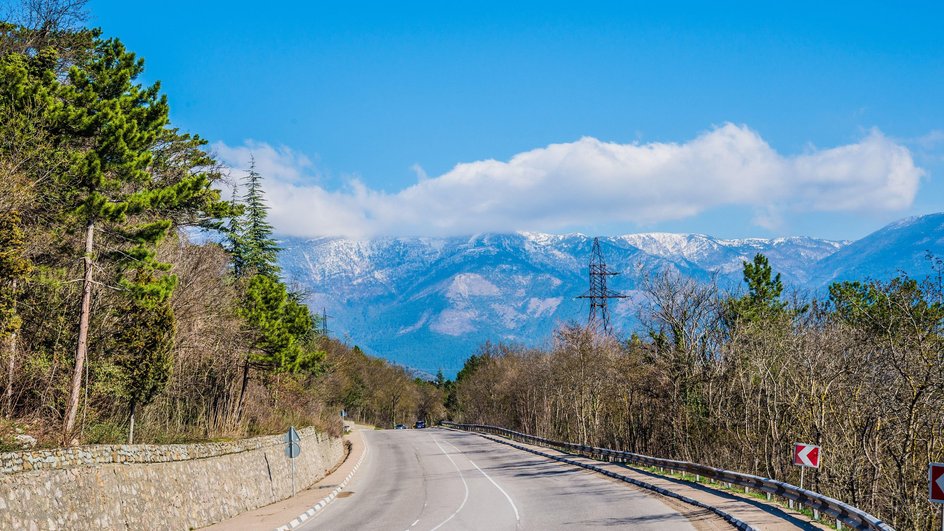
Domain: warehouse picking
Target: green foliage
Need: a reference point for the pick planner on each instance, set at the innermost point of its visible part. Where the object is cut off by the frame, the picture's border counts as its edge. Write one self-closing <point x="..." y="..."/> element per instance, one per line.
<point x="473" y="363"/>
<point x="899" y="308"/>
<point x="128" y="174"/>
<point x="87" y="154"/>
<point x="254" y="250"/>
<point x="110" y="125"/>
<point x="13" y="268"/>
<point x="283" y="327"/>
<point x="144" y="344"/>
<point x="764" y="288"/>
<point x="762" y="301"/>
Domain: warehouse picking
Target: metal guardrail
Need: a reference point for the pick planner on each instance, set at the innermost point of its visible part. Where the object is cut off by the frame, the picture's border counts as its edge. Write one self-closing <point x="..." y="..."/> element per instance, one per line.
<point x="842" y="512"/>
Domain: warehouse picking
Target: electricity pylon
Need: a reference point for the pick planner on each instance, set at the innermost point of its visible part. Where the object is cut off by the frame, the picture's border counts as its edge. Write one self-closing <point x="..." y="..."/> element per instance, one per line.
<point x="598" y="293"/>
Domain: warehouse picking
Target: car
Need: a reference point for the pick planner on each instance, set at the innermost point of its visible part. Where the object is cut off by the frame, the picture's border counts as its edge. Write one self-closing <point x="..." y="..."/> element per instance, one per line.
<point x="399" y="427"/>
<point x="420" y="424"/>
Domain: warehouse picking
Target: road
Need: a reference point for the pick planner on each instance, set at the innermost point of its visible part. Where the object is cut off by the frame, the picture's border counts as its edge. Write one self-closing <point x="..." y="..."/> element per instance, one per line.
<point x="433" y="479"/>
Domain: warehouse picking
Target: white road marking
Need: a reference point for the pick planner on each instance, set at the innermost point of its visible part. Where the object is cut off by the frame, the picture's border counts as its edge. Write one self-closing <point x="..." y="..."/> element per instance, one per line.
<point x="464" y="484"/>
<point x="497" y="486"/>
<point x="325" y="501"/>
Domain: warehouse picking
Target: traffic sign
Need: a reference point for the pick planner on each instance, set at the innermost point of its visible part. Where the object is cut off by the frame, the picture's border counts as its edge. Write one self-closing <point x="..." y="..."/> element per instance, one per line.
<point x="936" y="482"/>
<point x="806" y="455"/>
<point x="292" y="450"/>
<point x="293" y="447"/>
<point x="293" y="443"/>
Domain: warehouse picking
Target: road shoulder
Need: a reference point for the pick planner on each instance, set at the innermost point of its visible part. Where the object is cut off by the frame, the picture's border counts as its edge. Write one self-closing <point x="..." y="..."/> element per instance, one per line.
<point x="282" y="513"/>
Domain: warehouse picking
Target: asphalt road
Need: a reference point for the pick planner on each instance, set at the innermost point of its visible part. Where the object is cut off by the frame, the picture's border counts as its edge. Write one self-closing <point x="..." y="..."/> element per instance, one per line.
<point x="436" y="479"/>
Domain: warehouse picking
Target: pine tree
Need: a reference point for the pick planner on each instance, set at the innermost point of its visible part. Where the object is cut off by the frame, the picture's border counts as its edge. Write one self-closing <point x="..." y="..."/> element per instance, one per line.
<point x="762" y="301"/>
<point x="763" y="286"/>
<point x="260" y="251"/>
<point x="235" y="243"/>
<point x="111" y="127"/>
<point x="282" y="327"/>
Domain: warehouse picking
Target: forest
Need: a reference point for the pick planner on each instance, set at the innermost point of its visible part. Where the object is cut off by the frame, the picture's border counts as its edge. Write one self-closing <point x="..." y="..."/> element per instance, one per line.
<point x="137" y="303"/>
<point x="734" y="379"/>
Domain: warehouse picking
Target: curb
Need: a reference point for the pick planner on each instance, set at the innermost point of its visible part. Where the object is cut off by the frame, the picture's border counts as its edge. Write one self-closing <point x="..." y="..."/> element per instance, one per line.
<point x="302" y="518"/>
<point x="738" y="524"/>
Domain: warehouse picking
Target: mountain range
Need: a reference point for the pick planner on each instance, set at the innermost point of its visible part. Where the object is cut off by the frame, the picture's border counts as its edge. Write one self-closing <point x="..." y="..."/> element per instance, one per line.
<point x="428" y="303"/>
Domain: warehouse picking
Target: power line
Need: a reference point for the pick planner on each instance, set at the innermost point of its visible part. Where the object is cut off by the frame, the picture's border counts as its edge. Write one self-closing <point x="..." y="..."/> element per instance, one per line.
<point x="598" y="293"/>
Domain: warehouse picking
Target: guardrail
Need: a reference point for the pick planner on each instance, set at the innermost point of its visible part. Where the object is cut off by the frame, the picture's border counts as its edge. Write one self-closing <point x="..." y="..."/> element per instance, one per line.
<point x="842" y="512"/>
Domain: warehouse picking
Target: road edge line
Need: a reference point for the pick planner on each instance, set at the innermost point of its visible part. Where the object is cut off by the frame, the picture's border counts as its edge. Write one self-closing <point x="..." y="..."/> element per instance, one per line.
<point x="323" y="502"/>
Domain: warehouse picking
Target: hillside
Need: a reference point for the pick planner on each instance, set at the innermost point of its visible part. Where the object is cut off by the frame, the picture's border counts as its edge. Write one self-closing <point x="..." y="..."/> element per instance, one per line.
<point x="428" y="303"/>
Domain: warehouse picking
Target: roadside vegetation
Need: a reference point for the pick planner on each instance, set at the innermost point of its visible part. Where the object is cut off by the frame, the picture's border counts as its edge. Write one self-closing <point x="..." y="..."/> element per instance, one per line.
<point x="137" y="304"/>
<point x="733" y="380"/>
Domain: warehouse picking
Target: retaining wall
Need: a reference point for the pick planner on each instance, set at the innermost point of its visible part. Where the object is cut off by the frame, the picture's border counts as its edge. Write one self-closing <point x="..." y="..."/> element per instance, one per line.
<point x="177" y="486"/>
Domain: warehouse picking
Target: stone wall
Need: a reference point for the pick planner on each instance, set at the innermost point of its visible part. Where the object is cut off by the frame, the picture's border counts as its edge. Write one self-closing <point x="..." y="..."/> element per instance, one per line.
<point x="177" y="486"/>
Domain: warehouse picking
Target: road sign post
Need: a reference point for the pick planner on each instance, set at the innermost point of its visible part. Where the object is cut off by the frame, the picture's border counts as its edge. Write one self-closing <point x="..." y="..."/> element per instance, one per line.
<point x="293" y="447"/>
<point x="805" y="456"/>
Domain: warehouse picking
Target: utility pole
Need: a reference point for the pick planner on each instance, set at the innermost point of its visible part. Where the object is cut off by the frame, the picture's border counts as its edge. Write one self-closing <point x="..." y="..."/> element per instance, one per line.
<point x="324" y="322"/>
<point x="598" y="293"/>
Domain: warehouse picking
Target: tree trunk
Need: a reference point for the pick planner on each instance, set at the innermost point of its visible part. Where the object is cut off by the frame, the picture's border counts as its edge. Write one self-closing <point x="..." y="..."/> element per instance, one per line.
<point x="11" y="362"/>
<point x="131" y="428"/>
<point x="82" y="347"/>
<point x="242" y="394"/>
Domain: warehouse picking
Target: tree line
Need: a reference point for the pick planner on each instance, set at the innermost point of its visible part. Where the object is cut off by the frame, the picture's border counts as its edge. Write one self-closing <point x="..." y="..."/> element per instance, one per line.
<point x="734" y="379"/>
<point x="132" y="293"/>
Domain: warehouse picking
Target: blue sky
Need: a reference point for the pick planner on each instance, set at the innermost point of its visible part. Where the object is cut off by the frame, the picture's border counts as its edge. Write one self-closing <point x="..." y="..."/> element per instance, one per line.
<point x="732" y="119"/>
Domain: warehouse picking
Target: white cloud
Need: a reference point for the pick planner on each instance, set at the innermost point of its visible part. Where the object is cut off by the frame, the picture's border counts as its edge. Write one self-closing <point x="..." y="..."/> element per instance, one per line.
<point x="275" y="164"/>
<point x="591" y="182"/>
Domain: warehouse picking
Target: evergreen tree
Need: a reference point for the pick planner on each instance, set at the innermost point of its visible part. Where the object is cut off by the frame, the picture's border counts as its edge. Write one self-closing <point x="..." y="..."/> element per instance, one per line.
<point x="144" y="341"/>
<point x="764" y="288"/>
<point x="118" y="122"/>
<point x="259" y="253"/>
<point x="901" y="309"/>
<point x="282" y="327"/>
<point x="762" y="301"/>
<point x="235" y="243"/>
<point x="111" y="126"/>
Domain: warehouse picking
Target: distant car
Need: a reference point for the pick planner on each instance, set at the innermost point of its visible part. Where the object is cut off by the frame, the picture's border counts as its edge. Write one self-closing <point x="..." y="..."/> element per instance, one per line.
<point x="420" y="424"/>
<point x="399" y="427"/>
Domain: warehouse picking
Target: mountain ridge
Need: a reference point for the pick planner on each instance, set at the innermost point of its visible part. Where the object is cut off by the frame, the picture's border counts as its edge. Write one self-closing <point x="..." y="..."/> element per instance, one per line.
<point x="428" y="303"/>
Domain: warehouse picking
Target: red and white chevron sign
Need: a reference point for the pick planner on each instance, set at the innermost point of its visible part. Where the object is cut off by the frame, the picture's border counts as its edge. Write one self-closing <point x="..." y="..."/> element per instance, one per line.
<point x="806" y="455"/>
<point x="936" y="482"/>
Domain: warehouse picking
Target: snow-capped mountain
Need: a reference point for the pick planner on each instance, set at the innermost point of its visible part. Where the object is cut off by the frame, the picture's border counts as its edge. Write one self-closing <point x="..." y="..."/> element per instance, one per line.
<point x="900" y="246"/>
<point x="428" y="303"/>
